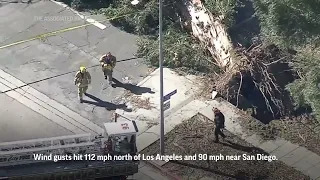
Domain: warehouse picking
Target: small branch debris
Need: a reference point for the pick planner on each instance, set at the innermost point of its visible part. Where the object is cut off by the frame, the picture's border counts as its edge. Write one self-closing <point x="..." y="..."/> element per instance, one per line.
<point x="138" y="102"/>
<point x="177" y="143"/>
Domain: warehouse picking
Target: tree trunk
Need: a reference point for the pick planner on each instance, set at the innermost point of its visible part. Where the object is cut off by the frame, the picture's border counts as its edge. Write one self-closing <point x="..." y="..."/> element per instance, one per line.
<point x="211" y="32"/>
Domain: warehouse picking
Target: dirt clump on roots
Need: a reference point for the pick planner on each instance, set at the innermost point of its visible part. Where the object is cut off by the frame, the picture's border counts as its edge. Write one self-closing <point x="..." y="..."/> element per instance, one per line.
<point x="195" y="136"/>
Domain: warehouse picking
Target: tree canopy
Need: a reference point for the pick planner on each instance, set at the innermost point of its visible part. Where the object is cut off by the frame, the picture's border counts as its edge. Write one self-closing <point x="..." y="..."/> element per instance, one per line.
<point x="289" y="23"/>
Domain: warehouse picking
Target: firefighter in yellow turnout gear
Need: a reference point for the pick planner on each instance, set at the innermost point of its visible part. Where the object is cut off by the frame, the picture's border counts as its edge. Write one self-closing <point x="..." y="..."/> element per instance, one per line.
<point x="82" y="80"/>
<point x="108" y="62"/>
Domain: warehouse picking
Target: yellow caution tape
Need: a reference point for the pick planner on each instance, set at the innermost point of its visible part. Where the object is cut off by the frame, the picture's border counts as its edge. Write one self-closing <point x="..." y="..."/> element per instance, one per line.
<point x="53" y="33"/>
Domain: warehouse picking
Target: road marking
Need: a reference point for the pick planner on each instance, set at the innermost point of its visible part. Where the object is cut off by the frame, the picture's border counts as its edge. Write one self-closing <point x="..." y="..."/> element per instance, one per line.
<point x="89" y="20"/>
<point x="46" y="106"/>
<point x="53" y="33"/>
<point x="96" y="23"/>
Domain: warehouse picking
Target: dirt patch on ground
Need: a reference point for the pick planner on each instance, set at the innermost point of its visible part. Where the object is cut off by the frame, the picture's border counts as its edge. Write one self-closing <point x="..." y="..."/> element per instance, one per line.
<point x="195" y="136"/>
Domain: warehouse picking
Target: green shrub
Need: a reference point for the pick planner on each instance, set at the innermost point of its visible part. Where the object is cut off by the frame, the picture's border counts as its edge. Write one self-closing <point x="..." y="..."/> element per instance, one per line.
<point x="179" y="50"/>
<point x="306" y="89"/>
<point x="143" y="18"/>
<point x="226" y="8"/>
<point x="289" y="23"/>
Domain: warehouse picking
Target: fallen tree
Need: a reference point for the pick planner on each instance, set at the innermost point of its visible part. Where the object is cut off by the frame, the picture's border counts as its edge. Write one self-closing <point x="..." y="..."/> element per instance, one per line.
<point x="210" y="31"/>
<point x="197" y="38"/>
<point x="247" y="71"/>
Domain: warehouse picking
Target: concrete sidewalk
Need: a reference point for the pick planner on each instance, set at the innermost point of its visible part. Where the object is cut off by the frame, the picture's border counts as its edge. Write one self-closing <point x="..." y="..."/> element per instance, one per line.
<point x="172" y="81"/>
<point x="47" y="107"/>
<point x="148" y="119"/>
<point x="184" y="106"/>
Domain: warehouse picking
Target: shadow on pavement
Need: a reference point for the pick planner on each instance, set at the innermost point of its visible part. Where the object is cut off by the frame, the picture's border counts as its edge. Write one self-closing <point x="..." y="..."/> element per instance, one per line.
<point x="109" y="106"/>
<point x="244" y="148"/>
<point x="137" y="90"/>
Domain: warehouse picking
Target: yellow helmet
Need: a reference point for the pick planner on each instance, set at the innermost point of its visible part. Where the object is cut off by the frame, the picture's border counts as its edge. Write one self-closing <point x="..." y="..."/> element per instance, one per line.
<point x="83" y="69"/>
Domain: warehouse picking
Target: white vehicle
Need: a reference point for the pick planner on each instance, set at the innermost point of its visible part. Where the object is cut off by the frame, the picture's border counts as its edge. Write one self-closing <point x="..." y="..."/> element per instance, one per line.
<point x="77" y="156"/>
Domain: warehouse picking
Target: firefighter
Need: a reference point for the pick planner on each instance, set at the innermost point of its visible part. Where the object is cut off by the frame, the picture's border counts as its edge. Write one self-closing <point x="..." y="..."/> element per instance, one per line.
<point x="82" y="80"/>
<point x="108" y="62"/>
<point x="219" y="124"/>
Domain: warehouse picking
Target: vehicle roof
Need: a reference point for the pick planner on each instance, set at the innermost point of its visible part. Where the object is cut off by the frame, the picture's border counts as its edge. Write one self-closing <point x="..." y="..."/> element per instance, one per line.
<point x="123" y="127"/>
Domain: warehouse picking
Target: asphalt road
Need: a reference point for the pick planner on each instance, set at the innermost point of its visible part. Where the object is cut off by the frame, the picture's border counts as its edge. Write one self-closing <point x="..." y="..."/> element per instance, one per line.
<point x="16" y="117"/>
<point x="66" y="52"/>
<point x="42" y="109"/>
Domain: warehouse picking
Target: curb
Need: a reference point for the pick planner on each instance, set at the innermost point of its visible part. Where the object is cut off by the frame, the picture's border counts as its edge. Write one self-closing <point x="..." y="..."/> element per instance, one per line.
<point x="82" y="16"/>
<point x="148" y="77"/>
<point x="163" y="171"/>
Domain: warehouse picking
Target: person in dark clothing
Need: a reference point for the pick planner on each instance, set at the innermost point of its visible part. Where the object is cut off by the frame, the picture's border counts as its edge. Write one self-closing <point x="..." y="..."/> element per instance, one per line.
<point x="219" y="123"/>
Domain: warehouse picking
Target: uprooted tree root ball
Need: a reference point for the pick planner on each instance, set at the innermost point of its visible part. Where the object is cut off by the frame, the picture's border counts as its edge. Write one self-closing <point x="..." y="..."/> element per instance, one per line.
<point x="258" y="82"/>
<point x="195" y="136"/>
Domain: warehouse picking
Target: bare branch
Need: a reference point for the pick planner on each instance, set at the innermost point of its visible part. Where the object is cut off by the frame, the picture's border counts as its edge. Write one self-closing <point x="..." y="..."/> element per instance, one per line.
<point x="274" y="61"/>
<point x="239" y="89"/>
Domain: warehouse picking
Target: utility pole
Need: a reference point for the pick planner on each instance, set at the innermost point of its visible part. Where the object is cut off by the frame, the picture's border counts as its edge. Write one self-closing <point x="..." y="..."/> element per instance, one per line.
<point x="161" y="79"/>
<point x="135" y="2"/>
